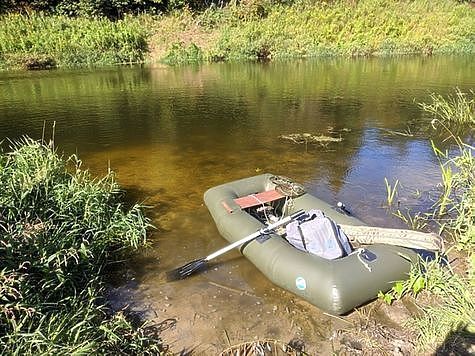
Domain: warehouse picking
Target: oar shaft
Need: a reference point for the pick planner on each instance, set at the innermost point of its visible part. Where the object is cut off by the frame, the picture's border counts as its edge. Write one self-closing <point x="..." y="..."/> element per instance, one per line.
<point x="233" y="245"/>
<point x="255" y="235"/>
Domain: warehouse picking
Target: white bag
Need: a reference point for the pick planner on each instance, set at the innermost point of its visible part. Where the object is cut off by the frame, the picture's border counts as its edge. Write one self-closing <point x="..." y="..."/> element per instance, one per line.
<point x="318" y="235"/>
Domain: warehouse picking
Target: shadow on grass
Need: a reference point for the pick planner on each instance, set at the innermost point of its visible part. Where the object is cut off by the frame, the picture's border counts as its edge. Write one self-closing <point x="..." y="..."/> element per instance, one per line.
<point x="460" y="342"/>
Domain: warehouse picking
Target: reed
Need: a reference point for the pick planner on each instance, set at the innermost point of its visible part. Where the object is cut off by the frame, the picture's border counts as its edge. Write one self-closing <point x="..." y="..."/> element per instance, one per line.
<point x="62" y="41"/>
<point x="458" y="107"/>
<point x="391" y="191"/>
<point x="444" y="321"/>
<point x="59" y="228"/>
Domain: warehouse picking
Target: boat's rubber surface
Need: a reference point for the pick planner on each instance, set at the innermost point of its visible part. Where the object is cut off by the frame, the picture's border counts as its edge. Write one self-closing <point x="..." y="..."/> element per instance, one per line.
<point x="335" y="286"/>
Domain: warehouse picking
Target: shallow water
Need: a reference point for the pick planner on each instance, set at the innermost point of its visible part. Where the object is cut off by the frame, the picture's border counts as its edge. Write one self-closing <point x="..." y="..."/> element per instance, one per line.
<point x="171" y="133"/>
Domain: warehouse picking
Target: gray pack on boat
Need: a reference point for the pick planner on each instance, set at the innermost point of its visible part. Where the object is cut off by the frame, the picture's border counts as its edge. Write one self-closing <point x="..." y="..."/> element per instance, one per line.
<point x="336" y="286"/>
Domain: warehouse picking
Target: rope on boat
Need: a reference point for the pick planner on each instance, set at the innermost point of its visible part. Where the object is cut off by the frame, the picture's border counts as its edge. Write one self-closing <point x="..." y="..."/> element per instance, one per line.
<point x="287" y="187"/>
<point x="263" y="207"/>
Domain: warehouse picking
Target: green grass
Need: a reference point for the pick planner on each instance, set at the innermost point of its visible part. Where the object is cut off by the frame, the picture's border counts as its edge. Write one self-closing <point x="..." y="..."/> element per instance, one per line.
<point x="29" y="40"/>
<point x="254" y="29"/>
<point x="59" y="228"/>
<point x="458" y="108"/>
<point x="449" y="314"/>
<point x="452" y="304"/>
<point x="306" y="28"/>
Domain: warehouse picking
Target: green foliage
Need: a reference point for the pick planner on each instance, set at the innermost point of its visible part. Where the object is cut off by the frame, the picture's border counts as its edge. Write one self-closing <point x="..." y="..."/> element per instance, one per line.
<point x="251" y="29"/>
<point x="454" y="295"/>
<point x="59" y="228"/>
<point x="180" y="53"/>
<point x="459" y="108"/>
<point x="70" y="42"/>
<point x="413" y="285"/>
<point x="457" y="202"/>
<point x="269" y="29"/>
<point x="87" y="8"/>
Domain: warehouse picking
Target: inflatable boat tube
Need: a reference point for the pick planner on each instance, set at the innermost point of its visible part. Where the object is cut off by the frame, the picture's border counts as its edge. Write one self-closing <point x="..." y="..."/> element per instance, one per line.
<point x="335" y="286"/>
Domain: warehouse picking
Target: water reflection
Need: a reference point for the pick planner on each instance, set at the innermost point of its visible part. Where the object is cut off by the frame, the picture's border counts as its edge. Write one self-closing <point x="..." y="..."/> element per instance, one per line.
<point x="171" y="133"/>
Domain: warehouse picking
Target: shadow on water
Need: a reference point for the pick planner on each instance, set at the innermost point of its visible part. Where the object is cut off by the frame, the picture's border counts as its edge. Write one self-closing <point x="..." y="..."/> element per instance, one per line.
<point x="172" y="133"/>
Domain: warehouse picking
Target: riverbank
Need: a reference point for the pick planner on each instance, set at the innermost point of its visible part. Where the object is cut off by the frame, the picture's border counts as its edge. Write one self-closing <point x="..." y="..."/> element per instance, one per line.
<point x="258" y="30"/>
<point x="254" y="29"/>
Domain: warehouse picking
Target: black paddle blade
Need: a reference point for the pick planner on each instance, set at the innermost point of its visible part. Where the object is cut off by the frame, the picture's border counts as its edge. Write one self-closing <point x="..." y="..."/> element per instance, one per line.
<point x="186" y="270"/>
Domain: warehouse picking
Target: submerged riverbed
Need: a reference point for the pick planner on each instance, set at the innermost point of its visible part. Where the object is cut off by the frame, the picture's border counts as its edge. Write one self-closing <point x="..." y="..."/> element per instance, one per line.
<point x="171" y="133"/>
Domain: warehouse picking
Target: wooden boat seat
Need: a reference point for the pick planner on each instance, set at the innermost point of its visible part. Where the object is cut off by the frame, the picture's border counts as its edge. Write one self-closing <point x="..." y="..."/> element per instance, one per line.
<point x="258" y="198"/>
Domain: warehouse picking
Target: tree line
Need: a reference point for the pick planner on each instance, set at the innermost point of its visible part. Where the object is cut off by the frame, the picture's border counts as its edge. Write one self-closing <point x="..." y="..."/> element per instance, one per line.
<point x="101" y="8"/>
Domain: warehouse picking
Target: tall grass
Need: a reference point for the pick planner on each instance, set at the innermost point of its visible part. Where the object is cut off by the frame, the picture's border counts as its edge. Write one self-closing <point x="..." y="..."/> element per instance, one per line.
<point x="451" y="310"/>
<point x="70" y="41"/>
<point x="251" y="29"/>
<point x="306" y="28"/>
<point x="456" y="205"/>
<point x="451" y="294"/>
<point x="59" y="228"/>
<point x="459" y="107"/>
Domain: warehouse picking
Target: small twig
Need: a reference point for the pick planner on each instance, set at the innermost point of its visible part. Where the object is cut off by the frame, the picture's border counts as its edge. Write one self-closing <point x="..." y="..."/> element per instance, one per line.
<point x="339" y="318"/>
<point x="399" y="133"/>
<point x="227" y="337"/>
<point x="230" y="289"/>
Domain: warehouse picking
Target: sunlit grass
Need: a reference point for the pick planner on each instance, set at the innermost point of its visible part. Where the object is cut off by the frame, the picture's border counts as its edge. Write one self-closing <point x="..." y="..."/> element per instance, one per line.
<point x="450" y="311"/>
<point x="64" y="41"/>
<point x="261" y="29"/>
<point x="59" y="228"/>
<point x="452" y="295"/>
<point x="255" y="29"/>
<point x="458" y="107"/>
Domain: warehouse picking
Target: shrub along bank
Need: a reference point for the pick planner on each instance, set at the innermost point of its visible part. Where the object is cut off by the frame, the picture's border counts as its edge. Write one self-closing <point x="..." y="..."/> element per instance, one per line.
<point x="250" y="29"/>
<point x="262" y="29"/>
<point x="59" y="228"/>
<point x="37" y="40"/>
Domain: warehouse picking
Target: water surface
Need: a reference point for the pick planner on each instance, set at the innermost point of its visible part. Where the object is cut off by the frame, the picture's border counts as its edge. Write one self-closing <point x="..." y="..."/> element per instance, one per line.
<point x="171" y="133"/>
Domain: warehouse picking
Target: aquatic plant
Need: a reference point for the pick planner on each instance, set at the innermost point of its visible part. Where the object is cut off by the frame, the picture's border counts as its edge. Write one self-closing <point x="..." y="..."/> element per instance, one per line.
<point x="391" y="191"/>
<point x="415" y="220"/>
<point x="457" y="203"/>
<point x="450" y="311"/>
<point x="458" y="107"/>
<point x="59" y="228"/>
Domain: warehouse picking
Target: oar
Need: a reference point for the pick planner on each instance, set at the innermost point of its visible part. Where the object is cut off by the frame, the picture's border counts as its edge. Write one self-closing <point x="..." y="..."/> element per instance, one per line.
<point x="196" y="265"/>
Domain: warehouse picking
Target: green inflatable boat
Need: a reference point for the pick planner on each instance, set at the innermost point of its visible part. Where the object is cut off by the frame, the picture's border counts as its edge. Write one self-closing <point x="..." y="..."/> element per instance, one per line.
<point x="337" y="286"/>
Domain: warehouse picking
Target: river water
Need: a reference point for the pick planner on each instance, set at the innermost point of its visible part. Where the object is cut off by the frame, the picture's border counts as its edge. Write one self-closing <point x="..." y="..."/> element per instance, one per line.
<point x="171" y="133"/>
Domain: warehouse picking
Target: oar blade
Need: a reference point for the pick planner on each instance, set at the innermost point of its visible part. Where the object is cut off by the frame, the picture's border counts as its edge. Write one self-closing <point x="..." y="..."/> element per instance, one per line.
<point x="187" y="270"/>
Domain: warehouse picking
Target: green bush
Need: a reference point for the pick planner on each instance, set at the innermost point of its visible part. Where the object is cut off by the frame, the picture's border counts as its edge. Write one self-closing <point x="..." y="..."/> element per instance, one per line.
<point x="70" y="41"/>
<point x="180" y="53"/>
<point x="362" y="28"/>
<point x="88" y="8"/>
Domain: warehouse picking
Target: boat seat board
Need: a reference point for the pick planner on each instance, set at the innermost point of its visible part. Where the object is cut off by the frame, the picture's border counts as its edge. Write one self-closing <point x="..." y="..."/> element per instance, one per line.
<point x="258" y="198"/>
